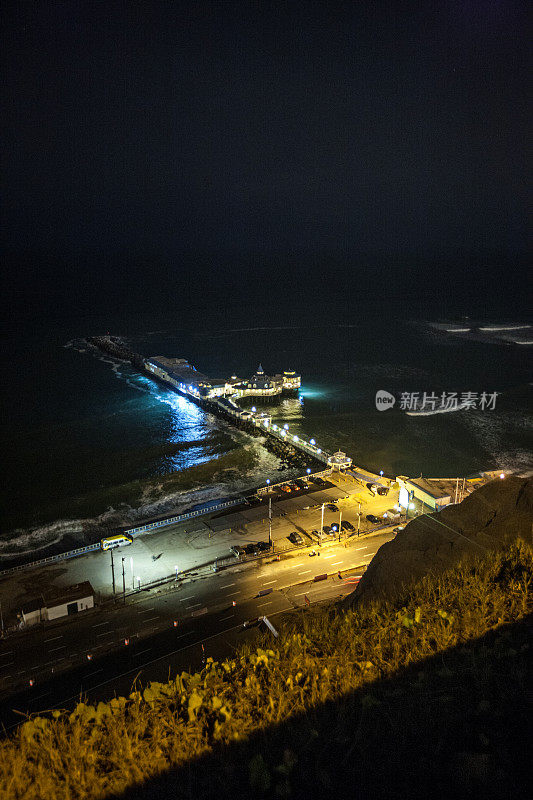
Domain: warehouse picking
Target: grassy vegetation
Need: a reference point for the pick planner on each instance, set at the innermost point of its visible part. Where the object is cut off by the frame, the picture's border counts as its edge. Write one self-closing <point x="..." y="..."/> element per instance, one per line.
<point x="422" y="697"/>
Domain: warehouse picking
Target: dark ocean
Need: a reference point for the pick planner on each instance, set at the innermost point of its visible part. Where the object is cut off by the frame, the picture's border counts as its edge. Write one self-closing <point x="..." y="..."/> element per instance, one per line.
<point x="89" y="443"/>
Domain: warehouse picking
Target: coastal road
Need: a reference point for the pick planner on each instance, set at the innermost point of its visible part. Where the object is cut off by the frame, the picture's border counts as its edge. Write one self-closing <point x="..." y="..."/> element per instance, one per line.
<point x="56" y="658"/>
<point x="195" y="543"/>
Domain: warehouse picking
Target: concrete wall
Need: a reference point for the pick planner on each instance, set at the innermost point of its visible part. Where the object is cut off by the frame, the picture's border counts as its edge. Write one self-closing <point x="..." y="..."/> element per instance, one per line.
<point x="33" y="617"/>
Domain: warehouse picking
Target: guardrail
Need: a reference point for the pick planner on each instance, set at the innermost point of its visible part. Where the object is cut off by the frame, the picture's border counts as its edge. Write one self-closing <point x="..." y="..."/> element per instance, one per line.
<point x="147" y="528"/>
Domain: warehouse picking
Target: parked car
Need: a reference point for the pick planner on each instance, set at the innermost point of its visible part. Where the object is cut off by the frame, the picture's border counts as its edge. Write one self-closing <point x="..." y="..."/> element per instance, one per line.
<point x="320" y="482"/>
<point x="237" y="550"/>
<point x="263" y="546"/>
<point x="252" y="549"/>
<point x="327" y="530"/>
<point x="372" y="487"/>
<point x="286" y="488"/>
<point x="373" y="519"/>
<point x="300" y="484"/>
<point x="347" y="526"/>
<point x="383" y="490"/>
<point x="332" y="507"/>
<point x="296" y="538"/>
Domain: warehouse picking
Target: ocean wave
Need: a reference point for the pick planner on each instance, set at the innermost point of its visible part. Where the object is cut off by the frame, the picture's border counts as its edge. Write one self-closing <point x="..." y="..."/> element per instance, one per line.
<point x="430" y="412"/>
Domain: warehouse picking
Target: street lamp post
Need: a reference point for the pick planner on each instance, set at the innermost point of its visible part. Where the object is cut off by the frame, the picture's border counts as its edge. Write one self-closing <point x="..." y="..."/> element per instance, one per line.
<point x="132" y="576"/>
<point x="123" y="583"/>
<point x="112" y="570"/>
<point x="176" y="570"/>
<point x="359" y="519"/>
<point x="270" y="520"/>
<point x="340" y="524"/>
<point x="322" y="524"/>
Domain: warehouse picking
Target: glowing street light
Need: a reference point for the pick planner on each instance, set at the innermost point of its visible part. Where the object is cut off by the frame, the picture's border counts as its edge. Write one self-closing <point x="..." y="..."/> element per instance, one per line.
<point x="138" y="583"/>
<point x="294" y="438"/>
<point x="286" y="426"/>
<point x="176" y="569"/>
<point x="312" y="441"/>
<point x="502" y="475"/>
<point x="308" y="470"/>
<point x="254" y="409"/>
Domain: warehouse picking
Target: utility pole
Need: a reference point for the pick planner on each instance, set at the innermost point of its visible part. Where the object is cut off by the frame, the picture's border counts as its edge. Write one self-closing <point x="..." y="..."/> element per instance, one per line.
<point x="132" y="578"/>
<point x="340" y="524"/>
<point x="1" y="620"/>
<point x="123" y="584"/>
<point x="322" y="524"/>
<point x="270" y="520"/>
<point x="113" y="570"/>
<point x="359" y="519"/>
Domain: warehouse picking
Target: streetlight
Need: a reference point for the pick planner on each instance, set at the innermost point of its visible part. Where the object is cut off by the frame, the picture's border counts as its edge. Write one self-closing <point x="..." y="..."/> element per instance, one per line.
<point x="322" y="524"/>
<point x="359" y="519"/>
<point x="138" y="583"/>
<point x="381" y="473"/>
<point x="502" y="475"/>
<point x="132" y="577"/>
<point x="286" y="426"/>
<point x="176" y="569"/>
<point x="312" y="441"/>
<point x="253" y="409"/>
<point x="308" y="470"/>
<point x="340" y="524"/>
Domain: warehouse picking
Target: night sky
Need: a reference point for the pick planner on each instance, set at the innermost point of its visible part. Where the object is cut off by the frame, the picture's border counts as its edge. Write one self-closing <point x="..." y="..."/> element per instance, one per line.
<point x="156" y="141"/>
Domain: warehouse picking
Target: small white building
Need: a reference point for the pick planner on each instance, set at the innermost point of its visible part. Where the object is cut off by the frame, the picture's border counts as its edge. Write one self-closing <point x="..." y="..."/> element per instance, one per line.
<point x="71" y="600"/>
<point x="64" y="603"/>
<point x="339" y="460"/>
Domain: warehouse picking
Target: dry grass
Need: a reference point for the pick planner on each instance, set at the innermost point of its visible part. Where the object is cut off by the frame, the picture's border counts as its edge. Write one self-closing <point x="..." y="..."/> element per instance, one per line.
<point x="322" y="657"/>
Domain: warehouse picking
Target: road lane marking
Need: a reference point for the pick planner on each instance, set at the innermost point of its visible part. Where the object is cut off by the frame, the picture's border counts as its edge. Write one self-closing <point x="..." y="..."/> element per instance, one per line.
<point x="227" y="585"/>
<point x="300" y="594"/>
<point x="151" y="619"/>
<point x="191" y="597"/>
<point x="145" y="610"/>
<point x="187" y="633"/>
<point x="194" y="605"/>
<point x="334" y="563"/>
<point x="100" y="624"/>
<point x="9" y="663"/>
<point x="267" y="582"/>
<point x="228" y="617"/>
<point x="105" y="633"/>
<point x="93" y="673"/>
<point x="53" y="639"/>
<point x="261" y="605"/>
<point x="143" y="651"/>
<point x="232" y="593"/>
<point x="305" y="572"/>
<point x="331" y="556"/>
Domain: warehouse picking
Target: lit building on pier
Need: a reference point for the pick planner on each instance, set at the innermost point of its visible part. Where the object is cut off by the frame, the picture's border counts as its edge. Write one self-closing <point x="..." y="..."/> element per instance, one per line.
<point x="184" y="377"/>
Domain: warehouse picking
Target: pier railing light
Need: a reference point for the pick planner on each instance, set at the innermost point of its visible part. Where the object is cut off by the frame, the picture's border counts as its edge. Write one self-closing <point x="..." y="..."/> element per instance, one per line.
<point x="254" y="409"/>
<point x="294" y="438"/>
<point x="308" y="470"/>
<point x="312" y="441"/>
<point x="319" y="450"/>
<point x="286" y="426"/>
<point x="502" y="475"/>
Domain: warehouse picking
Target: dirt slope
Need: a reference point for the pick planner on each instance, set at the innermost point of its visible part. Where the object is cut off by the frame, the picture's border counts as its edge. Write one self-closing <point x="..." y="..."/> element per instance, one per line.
<point x="489" y="518"/>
